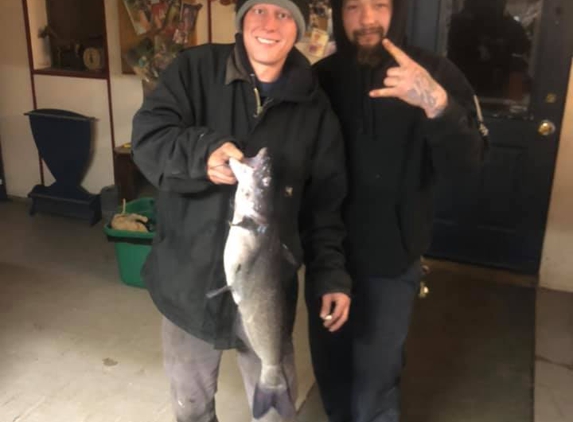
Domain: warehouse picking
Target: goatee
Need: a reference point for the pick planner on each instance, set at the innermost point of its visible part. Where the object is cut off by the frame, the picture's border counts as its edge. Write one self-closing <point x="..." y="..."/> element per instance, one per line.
<point x="371" y="56"/>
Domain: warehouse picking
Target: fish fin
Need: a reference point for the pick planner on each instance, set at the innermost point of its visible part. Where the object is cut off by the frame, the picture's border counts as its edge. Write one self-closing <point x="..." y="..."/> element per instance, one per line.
<point x="265" y="399"/>
<point x="214" y="293"/>
<point x="285" y="406"/>
<point x="287" y="254"/>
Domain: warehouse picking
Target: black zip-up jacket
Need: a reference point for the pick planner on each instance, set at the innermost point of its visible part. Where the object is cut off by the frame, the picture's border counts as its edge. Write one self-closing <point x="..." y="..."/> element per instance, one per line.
<point x="205" y="98"/>
<point x="395" y="152"/>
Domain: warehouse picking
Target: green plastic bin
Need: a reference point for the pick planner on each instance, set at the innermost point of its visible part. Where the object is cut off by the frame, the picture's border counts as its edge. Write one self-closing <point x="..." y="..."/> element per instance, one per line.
<point x="132" y="248"/>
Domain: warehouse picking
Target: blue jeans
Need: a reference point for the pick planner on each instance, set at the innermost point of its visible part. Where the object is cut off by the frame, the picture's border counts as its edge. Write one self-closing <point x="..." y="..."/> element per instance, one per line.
<point x="358" y="368"/>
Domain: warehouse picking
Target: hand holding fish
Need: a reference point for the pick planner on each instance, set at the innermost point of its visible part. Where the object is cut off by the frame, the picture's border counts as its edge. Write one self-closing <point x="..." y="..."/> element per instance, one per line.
<point x="335" y="318"/>
<point x="411" y="83"/>
<point x="218" y="169"/>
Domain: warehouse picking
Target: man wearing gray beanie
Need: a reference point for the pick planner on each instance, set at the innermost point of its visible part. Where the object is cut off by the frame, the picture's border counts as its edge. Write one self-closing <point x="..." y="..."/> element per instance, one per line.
<point x="299" y="10"/>
<point x="213" y="103"/>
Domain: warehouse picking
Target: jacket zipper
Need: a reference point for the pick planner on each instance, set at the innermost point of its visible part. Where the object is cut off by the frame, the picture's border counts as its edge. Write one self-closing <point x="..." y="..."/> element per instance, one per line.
<point x="260" y="108"/>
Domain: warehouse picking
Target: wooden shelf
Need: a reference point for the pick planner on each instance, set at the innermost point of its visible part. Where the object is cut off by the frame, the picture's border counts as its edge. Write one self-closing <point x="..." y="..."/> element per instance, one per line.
<point x="53" y="71"/>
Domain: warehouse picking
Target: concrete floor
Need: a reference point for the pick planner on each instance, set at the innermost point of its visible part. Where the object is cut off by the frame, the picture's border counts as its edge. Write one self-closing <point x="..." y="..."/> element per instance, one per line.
<point x="78" y="345"/>
<point x="554" y="357"/>
<point x="553" y="389"/>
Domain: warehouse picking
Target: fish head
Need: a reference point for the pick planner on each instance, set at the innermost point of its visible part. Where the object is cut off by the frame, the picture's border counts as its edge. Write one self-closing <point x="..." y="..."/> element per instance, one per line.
<point x="252" y="198"/>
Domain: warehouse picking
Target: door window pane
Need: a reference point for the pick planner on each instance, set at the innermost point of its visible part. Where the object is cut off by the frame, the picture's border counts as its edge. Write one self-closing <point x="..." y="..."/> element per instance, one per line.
<point x="493" y="42"/>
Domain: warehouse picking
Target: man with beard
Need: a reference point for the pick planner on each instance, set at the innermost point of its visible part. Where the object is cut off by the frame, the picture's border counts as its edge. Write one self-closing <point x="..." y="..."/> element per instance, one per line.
<point x="408" y="117"/>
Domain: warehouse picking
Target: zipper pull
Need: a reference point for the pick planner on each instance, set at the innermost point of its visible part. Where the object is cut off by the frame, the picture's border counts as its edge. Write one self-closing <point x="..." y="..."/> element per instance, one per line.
<point x="259" y="105"/>
<point x="259" y="109"/>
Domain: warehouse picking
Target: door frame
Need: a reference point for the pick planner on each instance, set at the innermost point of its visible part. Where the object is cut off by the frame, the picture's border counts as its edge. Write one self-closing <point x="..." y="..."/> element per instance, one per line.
<point x="3" y="192"/>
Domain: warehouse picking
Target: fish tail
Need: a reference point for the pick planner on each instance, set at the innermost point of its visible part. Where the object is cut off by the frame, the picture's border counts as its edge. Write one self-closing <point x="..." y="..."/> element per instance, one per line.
<point x="266" y="398"/>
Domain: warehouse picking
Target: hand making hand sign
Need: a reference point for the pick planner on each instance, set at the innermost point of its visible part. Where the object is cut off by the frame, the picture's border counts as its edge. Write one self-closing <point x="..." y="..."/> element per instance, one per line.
<point x="411" y="83"/>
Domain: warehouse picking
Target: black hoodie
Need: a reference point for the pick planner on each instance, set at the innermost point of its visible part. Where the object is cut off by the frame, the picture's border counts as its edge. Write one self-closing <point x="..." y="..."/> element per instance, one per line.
<point x="395" y="152"/>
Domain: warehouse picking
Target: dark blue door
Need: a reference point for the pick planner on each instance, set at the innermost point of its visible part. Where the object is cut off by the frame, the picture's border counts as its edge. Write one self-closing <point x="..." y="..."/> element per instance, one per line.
<point x="517" y="55"/>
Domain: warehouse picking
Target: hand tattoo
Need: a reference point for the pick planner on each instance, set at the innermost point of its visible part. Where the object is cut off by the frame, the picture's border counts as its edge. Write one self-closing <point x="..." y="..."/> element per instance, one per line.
<point x="426" y="93"/>
<point x="411" y="83"/>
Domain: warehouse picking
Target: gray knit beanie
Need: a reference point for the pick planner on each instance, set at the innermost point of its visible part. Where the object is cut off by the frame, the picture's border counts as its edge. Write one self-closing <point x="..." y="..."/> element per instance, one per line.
<point x="298" y="8"/>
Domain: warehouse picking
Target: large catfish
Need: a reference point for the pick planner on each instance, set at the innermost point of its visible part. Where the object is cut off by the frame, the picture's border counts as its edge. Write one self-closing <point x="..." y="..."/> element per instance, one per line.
<point x="253" y="257"/>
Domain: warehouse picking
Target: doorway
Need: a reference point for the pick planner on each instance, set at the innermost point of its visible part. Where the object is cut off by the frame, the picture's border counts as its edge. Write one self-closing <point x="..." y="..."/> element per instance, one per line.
<point x="517" y="56"/>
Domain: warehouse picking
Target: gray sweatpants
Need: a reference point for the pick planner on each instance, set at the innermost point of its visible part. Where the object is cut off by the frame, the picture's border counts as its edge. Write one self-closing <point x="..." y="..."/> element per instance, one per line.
<point x="192" y="366"/>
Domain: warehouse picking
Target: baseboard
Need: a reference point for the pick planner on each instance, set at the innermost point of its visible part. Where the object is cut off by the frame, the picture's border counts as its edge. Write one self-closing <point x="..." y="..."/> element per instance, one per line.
<point x="21" y="199"/>
<point x="558" y="287"/>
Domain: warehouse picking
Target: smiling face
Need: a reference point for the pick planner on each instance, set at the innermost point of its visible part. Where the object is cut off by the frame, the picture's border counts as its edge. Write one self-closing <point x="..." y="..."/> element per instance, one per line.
<point x="269" y="33"/>
<point x="366" y="22"/>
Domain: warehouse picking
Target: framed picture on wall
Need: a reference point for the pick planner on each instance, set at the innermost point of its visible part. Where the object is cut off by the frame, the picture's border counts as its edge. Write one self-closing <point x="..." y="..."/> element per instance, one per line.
<point x="139" y="13"/>
<point x="187" y="20"/>
<point x="318" y="42"/>
<point x="152" y="32"/>
<point x="159" y="10"/>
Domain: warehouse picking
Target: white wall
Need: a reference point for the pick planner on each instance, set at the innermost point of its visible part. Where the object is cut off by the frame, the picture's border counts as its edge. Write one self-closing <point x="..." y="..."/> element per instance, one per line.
<point x="40" y="46"/>
<point x="18" y="148"/>
<point x="223" y="23"/>
<point x="557" y="263"/>
<point x="126" y="90"/>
